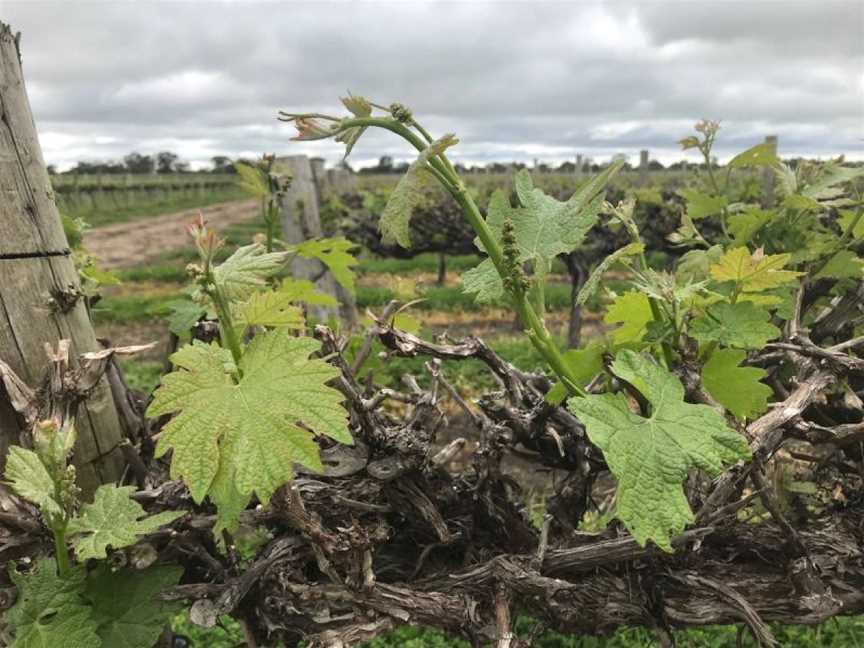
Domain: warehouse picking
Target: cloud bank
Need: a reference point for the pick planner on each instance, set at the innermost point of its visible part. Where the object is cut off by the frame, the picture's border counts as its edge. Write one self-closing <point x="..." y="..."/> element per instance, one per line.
<point x="515" y="80"/>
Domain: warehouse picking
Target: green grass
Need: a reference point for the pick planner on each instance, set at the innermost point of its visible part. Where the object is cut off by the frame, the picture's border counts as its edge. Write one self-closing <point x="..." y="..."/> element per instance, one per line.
<point x="107" y="213"/>
<point x="428" y="262"/>
<point x="842" y="632"/>
<point x="141" y="375"/>
<point x="133" y="308"/>
<point x="164" y="272"/>
<point x="452" y="298"/>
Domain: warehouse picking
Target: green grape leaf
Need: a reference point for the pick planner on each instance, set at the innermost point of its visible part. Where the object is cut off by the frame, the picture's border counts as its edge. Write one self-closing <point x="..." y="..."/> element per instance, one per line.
<point x="742" y="325"/>
<point x="125" y="606"/>
<point x="252" y="180"/>
<point x="185" y="314"/>
<point x="754" y="272"/>
<point x="590" y="286"/>
<point x="585" y="363"/>
<point x="113" y="520"/>
<point x="744" y="225"/>
<point x="270" y="308"/>
<point x="843" y="265"/>
<point x="408" y="193"/>
<point x="651" y="457"/>
<point x="544" y="227"/>
<point x="484" y="281"/>
<point x="230" y="503"/>
<point x="801" y="203"/>
<point x="246" y="270"/>
<point x="846" y="221"/>
<point x="333" y="253"/>
<point x="303" y="290"/>
<point x="254" y="423"/>
<point x="700" y="205"/>
<point x="736" y="388"/>
<point x="831" y="174"/>
<point x="764" y="154"/>
<point x="633" y="311"/>
<point x="50" y="610"/>
<point x="30" y="479"/>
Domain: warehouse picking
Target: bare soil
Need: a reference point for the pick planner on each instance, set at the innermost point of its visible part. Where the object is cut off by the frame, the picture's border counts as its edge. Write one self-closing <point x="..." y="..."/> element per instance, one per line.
<point x="126" y="245"/>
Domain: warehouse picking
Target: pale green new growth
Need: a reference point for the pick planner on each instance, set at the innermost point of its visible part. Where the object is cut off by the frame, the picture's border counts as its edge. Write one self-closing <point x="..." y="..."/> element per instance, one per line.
<point x="753" y="272"/>
<point x="303" y="290"/>
<point x="248" y="428"/>
<point x="408" y="193"/>
<point x="650" y="457"/>
<point x="359" y="107"/>
<point x="247" y="270"/>
<point x="743" y="325"/>
<point x="763" y="154"/>
<point x="252" y="180"/>
<point x="332" y="252"/>
<point x="271" y="309"/>
<point x="113" y="520"/>
<point x="633" y="311"/>
<point x="30" y="479"/>
<point x="736" y="388"/>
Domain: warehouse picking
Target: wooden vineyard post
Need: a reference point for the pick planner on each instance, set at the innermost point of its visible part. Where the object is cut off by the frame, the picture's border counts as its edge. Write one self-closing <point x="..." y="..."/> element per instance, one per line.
<point x="768" y="175"/>
<point x="644" y="161"/>
<point x="301" y="220"/>
<point x="40" y="299"/>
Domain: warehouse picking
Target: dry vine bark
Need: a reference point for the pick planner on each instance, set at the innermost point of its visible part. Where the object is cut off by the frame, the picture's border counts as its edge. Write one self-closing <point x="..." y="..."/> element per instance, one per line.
<point x="392" y="533"/>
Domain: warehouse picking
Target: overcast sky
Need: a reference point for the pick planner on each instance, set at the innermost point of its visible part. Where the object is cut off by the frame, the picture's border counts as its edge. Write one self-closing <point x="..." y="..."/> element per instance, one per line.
<point x="515" y="80"/>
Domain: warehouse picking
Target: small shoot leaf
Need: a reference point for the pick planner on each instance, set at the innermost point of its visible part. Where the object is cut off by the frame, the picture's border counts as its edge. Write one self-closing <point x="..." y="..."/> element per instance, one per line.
<point x="742" y="325"/>
<point x="736" y="388"/>
<point x="30" y="479"/>
<point x="113" y="520"/>
<point x="754" y="272"/>
<point x="633" y="311"/>
<point x="333" y="253"/>
<point x="764" y="154"/>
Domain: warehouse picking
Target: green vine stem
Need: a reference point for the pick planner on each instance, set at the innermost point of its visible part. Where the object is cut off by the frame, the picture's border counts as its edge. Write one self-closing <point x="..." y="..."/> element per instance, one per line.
<point x="63" y="564"/>
<point x="444" y="171"/>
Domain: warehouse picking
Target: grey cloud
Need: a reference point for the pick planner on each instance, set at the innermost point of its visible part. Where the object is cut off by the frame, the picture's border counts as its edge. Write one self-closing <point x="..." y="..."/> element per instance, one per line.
<point x="511" y="78"/>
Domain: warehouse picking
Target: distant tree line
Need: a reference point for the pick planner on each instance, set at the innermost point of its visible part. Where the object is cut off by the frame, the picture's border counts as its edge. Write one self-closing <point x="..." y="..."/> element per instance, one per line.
<point x="161" y="162"/>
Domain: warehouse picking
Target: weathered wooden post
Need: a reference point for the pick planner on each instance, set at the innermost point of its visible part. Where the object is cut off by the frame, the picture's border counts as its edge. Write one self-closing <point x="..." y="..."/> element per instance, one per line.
<point x="301" y="220"/>
<point x="40" y="300"/>
<point x="643" y="167"/>
<point x="768" y="175"/>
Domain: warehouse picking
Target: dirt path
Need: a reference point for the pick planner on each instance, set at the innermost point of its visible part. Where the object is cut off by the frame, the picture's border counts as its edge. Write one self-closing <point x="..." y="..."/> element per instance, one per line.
<point x="125" y="245"/>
